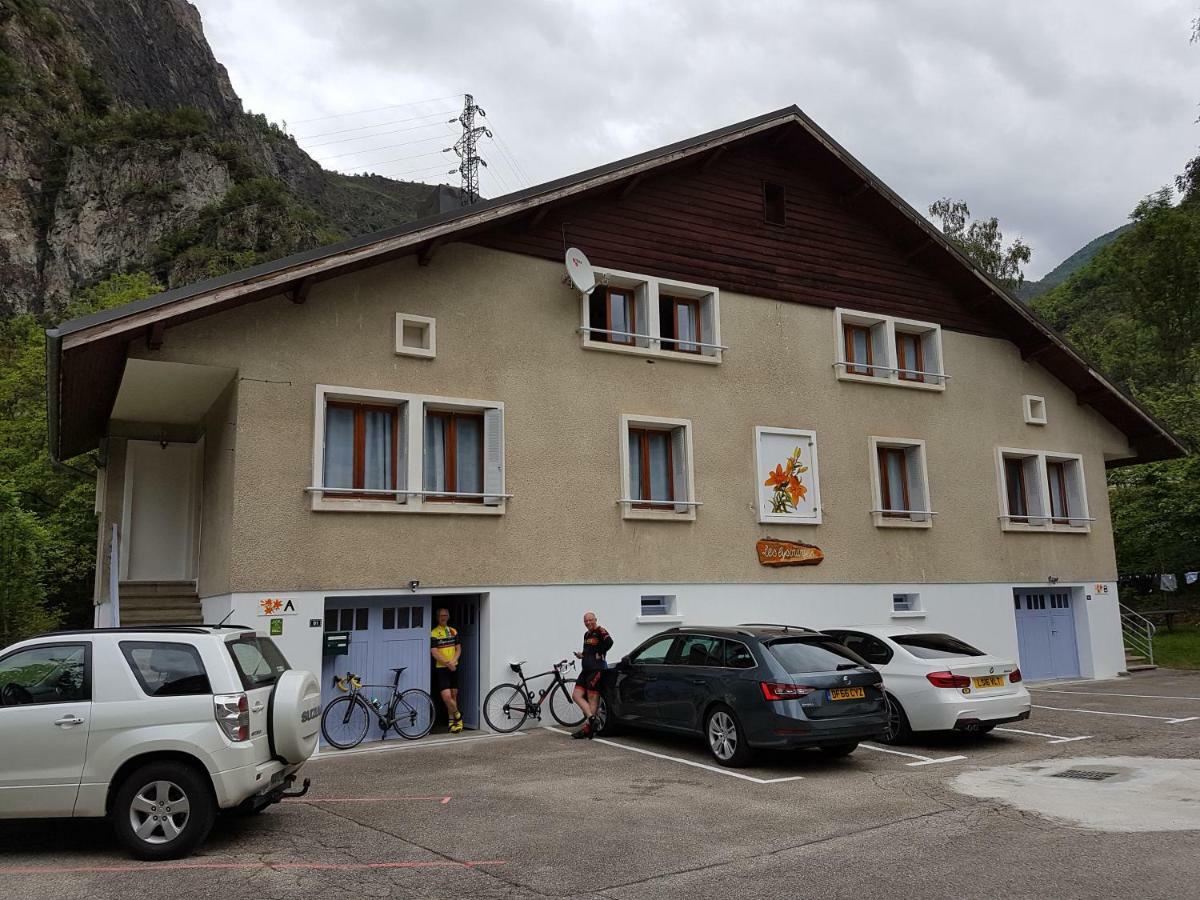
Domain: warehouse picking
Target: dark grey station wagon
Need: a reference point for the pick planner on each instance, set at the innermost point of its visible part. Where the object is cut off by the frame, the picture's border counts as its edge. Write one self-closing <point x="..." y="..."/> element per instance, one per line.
<point x="748" y="687"/>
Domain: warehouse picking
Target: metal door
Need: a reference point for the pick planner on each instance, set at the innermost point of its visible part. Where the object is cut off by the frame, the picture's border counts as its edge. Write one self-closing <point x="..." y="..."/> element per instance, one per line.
<point x="1046" y="634"/>
<point x="385" y="633"/>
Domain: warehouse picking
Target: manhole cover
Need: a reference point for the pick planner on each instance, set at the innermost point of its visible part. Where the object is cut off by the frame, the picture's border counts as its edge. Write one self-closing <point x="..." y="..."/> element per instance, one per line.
<point x="1084" y="774"/>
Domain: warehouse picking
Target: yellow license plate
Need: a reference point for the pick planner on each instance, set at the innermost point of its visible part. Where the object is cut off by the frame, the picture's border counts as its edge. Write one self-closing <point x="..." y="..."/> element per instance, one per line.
<point x="989" y="681"/>
<point x="847" y="693"/>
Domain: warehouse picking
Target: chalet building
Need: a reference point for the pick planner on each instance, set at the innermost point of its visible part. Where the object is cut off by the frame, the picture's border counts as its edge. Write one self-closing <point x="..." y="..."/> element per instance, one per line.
<point x="778" y="347"/>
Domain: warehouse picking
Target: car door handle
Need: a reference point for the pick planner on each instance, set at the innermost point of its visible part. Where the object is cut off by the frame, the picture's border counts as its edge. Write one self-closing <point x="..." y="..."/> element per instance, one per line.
<point x="69" y="721"/>
<point x="699" y="681"/>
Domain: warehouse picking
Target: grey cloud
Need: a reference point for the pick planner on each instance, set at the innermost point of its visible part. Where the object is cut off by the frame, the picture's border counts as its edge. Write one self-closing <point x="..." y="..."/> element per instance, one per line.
<point x="1055" y="117"/>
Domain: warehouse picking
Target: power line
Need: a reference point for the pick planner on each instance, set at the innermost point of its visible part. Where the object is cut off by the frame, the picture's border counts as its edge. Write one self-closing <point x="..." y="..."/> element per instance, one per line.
<point x="436" y="137"/>
<point x="305" y="137"/>
<point x="376" y="134"/>
<point x="376" y="109"/>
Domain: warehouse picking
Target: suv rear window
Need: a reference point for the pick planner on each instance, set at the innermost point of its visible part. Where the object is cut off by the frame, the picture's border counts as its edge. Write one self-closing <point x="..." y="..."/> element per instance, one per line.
<point x="812" y="655"/>
<point x="935" y="646"/>
<point x="258" y="661"/>
<point x="166" y="669"/>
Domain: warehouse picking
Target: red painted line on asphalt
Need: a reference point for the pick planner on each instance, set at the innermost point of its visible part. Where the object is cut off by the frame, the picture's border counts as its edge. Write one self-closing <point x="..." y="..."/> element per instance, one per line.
<point x="440" y="799"/>
<point x="178" y="867"/>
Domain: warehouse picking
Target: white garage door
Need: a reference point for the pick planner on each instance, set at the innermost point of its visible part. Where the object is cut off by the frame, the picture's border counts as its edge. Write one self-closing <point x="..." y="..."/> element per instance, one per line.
<point x="1046" y="634"/>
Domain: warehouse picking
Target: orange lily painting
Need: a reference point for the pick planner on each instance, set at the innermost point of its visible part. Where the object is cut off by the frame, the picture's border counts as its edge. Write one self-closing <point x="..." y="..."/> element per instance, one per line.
<point x="787" y="484"/>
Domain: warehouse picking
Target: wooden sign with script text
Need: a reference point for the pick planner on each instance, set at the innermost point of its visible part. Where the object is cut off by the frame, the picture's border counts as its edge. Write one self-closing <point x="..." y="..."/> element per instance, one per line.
<point x="788" y="553"/>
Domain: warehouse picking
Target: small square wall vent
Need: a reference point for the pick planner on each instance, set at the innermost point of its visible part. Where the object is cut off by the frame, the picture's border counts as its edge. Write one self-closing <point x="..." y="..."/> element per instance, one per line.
<point x="415" y="335"/>
<point x="1035" y="410"/>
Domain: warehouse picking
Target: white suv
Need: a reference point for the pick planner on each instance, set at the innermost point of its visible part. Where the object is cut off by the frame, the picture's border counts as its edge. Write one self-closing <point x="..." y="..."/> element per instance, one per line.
<point x="156" y="728"/>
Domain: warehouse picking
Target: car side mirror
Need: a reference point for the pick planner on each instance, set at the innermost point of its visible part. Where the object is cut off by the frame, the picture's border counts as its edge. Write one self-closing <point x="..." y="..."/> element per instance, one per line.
<point x="624" y="663"/>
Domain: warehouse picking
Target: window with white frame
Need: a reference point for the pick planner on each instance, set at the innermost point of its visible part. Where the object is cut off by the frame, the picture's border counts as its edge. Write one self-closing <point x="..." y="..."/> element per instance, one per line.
<point x="887" y="350"/>
<point x="657" y="605"/>
<point x="647" y="316"/>
<point x="900" y="482"/>
<point x="656" y="468"/>
<point x="392" y="452"/>
<point x="789" y="491"/>
<point x="904" y="604"/>
<point x="1042" y="491"/>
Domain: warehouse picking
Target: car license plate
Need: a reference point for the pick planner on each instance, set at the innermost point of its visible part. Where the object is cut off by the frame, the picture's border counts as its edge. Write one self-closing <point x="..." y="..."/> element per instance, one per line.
<point x="276" y="780"/>
<point x="847" y="693"/>
<point x="989" y="681"/>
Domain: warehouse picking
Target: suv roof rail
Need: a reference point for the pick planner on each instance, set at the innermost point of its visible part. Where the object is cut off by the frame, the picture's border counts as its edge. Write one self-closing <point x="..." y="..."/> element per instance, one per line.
<point x="126" y="629"/>
<point x="777" y="625"/>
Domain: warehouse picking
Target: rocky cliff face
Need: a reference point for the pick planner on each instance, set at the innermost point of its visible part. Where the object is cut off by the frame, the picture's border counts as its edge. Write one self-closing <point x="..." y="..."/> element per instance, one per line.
<point x="123" y="146"/>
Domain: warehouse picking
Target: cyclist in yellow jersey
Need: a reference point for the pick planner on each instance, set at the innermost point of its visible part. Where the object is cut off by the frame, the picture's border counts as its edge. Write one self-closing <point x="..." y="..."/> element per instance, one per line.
<point x="445" y="648"/>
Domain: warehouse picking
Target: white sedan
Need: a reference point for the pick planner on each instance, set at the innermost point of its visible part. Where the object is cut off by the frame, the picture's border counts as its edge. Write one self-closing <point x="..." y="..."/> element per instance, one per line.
<point x="936" y="682"/>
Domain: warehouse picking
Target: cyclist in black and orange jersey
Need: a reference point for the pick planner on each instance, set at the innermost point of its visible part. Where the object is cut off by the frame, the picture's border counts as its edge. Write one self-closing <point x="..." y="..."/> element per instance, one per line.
<point x="596" y="643"/>
<point x="445" y="648"/>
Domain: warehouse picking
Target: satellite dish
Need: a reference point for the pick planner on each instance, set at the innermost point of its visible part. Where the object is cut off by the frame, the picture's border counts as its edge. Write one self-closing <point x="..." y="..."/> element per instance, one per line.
<point x="579" y="271"/>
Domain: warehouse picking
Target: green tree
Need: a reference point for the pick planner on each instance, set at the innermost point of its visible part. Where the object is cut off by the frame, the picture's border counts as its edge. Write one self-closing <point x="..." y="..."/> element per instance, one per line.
<point x="983" y="241"/>
<point x="47" y="518"/>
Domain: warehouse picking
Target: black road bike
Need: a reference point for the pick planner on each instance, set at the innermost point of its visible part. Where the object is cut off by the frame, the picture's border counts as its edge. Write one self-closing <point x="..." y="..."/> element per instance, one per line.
<point x="347" y="720"/>
<point x="508" y="705"/>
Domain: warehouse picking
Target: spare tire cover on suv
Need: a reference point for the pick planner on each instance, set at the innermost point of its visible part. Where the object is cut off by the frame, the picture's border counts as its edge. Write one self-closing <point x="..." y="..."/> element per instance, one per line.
<point x="295" y="715"/>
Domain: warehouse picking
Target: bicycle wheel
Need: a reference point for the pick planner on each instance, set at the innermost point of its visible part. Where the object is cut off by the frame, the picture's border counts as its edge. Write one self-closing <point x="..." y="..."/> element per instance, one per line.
<point x="506" y="708"/>
<point x="414" y="714"/>
<point x="565" y="710"/>
<point x="345" y="722"/>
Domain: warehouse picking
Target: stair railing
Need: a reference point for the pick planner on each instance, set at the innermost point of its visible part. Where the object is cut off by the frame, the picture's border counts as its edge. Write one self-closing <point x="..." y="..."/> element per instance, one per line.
<point x="1138" y="633"/>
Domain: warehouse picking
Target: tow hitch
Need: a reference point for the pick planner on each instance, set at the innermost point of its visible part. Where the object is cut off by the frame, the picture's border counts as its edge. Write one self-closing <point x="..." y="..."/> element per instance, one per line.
<point x="291" y="795"/>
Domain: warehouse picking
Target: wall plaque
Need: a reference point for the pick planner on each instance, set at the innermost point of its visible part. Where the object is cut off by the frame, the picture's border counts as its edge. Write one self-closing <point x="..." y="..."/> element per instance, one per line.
<point x="788" y="553"/>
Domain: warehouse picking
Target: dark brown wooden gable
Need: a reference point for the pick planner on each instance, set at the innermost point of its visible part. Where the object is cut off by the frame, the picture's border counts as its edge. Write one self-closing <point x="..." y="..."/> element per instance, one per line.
<point x="702" y="221"/>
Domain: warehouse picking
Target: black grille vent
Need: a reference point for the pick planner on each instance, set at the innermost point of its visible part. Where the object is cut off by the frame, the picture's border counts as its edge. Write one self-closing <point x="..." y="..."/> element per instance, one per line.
<point x="1084" y="774"/>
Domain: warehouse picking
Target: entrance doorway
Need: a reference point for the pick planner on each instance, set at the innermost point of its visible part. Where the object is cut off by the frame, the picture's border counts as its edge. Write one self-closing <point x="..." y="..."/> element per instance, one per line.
<point x="1046" y="634"/>
<point x="160" y="514"/>
<point x="464" y="617"/>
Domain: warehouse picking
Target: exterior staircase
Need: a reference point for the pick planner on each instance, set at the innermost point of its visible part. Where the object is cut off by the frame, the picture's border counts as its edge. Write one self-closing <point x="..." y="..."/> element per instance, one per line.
<point x="160" y="603"/>
<point x="1138" y="634"/>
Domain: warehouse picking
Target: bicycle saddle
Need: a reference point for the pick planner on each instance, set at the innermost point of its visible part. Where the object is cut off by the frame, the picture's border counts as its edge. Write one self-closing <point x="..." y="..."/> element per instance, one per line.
<point x="516" y="666"/>
<point x="400" y="669"/>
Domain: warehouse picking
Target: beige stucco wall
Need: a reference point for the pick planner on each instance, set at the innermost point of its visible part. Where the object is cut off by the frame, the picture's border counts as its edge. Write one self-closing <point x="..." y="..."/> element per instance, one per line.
<point x="506" y="331"/>
<point x="217" y="492"/>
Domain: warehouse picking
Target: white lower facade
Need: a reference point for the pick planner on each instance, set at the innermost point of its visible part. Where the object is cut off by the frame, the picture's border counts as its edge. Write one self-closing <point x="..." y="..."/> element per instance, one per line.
<point x="1073" y="628"/>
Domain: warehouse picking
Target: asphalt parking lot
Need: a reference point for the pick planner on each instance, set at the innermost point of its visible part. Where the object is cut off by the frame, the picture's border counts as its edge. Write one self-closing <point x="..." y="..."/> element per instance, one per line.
<point x="537" y="814"/>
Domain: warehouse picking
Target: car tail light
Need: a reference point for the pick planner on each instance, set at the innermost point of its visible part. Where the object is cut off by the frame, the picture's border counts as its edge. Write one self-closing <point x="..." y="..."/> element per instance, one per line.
<point x="233" y="715"/>
<point x="1014" y="676"/>
<point x="948" y="680"/>
<point x="772" y="690"/>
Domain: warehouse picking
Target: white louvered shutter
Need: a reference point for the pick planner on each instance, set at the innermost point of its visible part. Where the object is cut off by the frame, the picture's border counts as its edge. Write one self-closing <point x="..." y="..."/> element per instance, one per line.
<point x="708" y="326"/>
<point x="493" y="456"/>
<point x="679" y="464"/>
<point x="918" y="492"/>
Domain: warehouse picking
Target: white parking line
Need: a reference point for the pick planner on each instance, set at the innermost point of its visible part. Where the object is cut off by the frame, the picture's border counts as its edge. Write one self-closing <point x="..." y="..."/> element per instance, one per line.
<point x="924" y="760"/>
<point x="1100" y="712"/>
<point x="686" y="762"/>
<point x="1108" y="694"/>
<point x="1058" y="738"/>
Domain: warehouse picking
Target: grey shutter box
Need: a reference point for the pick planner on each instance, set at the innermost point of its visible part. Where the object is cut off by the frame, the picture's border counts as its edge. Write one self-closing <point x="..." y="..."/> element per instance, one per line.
<point x="641" y="303"/>
<point x="881" y="353"/>
<point x="918" y="495"/>
<point x="679" y="464"/>
<point x="1034" y="478"/>
<point x="1076" y="503"/>
<point x="493" y="456"/>
<point x="708" y="330"/>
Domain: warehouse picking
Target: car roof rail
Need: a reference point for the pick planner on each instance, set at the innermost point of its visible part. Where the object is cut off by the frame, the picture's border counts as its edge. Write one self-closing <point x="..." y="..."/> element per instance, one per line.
<point x="777" y="625"/>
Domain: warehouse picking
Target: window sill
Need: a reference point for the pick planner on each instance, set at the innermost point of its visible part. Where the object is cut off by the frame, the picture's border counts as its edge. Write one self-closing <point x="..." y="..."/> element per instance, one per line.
<point x="891" y="382"/>
<point x="660" y="620"/>
<point x="328" y="504"/>
<point x="660" y="515"/>
<point x="882" y="521"/>
<point x="703" y="359"/>
<point x="1049" y="528"/>
<point x="909" y="614"/>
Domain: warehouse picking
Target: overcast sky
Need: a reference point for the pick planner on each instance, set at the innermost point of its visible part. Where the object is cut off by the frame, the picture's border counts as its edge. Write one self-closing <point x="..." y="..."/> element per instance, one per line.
<point x="1054" y="116"/>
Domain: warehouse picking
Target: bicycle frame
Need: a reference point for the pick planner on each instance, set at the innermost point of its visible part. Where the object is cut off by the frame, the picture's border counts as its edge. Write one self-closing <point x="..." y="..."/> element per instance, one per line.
<point x="386" y="719"/>
<point x="534" y="708"/>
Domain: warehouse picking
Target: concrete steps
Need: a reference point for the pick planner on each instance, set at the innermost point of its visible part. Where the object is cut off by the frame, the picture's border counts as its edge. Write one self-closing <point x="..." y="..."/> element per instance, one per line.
<point x="160" y="603"/>
<point x="1135" y="663"/>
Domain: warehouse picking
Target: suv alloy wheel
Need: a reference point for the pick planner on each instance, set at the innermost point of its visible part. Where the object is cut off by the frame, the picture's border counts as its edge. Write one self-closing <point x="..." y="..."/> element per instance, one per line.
<point x="725" y="737"/>
<point x="163" y="811"/>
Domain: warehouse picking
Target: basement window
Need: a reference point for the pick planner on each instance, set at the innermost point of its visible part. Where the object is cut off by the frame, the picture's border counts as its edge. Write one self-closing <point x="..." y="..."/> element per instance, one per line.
<point x="774" y="203"/>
